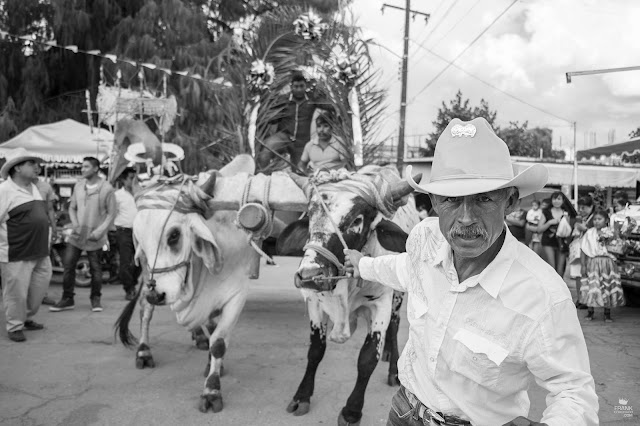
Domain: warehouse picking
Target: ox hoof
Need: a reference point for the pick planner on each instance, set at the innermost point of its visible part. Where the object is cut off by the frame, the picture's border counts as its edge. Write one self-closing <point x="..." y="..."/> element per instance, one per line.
<point x="298" y="408"/>
<point x="386" y="356"/>
<point x="202" y="344"/>
<point x="210" y="401"/>
<point x="145" y="361"/>
<point x="343" y="422"/>
<point x="392" y="380"/>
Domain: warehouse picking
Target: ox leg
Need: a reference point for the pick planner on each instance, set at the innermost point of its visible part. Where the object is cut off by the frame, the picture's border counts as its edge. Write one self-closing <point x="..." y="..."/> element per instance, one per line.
<point x="218" y="342"/>
<point x="301" y="401"/>
<point x="377" y="316"/>
<point x="367" y="361"/>
<point x="390" y="352"/>
<point x="143" y="353"/>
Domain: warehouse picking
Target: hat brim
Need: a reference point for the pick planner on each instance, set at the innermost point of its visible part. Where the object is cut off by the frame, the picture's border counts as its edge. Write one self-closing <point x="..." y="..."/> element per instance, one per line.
<point x="4" y="171"/>
<point x="529" y="181"/>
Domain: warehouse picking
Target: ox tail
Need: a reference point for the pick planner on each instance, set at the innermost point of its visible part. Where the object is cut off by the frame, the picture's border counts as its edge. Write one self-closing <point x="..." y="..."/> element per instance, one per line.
<point x="121" y="327"/>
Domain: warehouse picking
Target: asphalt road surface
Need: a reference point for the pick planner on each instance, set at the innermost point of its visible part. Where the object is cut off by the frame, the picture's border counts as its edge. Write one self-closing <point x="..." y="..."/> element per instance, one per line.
<point x="74" y="373"/>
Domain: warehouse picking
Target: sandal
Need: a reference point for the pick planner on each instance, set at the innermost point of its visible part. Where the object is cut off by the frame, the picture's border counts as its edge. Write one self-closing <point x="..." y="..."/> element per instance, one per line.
<point x="589" y="316"/>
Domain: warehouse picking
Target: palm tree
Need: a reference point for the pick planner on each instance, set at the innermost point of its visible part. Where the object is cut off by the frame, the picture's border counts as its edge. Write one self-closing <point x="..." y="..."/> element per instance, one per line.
<point x="273" y="41"/>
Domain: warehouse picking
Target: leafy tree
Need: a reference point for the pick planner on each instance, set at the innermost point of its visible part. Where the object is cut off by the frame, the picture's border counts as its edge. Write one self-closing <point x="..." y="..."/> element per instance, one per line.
<point x="521" y="140"/>
<point x="634" y="133"/>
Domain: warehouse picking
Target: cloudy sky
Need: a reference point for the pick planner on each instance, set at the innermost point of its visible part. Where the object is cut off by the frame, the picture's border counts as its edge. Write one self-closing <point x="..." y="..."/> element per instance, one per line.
<point x="526" y="54"/>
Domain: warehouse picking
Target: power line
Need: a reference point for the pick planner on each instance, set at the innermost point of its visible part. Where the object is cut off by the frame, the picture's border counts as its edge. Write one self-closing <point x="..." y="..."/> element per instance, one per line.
<point x="426" y="27"/>
<point x="447" y="33"/>
<point x="492" y="86"/>
<point x="440" y="21"/>
<point x="456" y="24"/>
<point x="463" y="51"/>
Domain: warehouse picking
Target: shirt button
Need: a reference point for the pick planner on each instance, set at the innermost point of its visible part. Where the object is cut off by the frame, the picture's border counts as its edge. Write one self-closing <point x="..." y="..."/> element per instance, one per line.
<point x="475" y="358"/>
<point x="431" y="359"/>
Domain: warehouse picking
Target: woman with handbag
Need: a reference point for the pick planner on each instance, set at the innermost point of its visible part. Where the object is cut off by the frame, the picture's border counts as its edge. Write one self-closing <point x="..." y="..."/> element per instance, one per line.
<point x="556" y="226"/>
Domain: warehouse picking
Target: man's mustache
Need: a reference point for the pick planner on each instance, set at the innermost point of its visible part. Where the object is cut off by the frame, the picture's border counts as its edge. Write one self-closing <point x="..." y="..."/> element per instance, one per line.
<point x="472" y="231"/>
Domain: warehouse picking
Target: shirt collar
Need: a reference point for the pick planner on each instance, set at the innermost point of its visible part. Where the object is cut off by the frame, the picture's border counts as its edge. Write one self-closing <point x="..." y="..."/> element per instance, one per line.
<point x="493" y="276"/>
<point x="316" y="140"/>
<point x="19" y="188"/>
<point x="306" y="97"/>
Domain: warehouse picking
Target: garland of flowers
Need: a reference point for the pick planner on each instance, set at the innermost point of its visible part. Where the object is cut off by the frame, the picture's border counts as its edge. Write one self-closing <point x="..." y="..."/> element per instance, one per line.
<point x="309" y="26"/>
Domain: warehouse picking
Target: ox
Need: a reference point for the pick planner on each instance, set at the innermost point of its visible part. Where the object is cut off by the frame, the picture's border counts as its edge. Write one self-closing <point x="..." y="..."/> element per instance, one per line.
<point x="196" y="266"/>
<point x="360" y="205"/>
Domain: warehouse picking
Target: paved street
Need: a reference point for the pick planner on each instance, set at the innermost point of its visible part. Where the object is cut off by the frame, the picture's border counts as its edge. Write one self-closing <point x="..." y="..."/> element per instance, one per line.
<point x="73" y="373"/>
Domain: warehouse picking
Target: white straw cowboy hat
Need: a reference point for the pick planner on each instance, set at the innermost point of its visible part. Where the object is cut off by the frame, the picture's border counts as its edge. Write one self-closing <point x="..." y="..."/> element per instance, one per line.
<point x="15" y="157"/>
<point x="471" y="159"/>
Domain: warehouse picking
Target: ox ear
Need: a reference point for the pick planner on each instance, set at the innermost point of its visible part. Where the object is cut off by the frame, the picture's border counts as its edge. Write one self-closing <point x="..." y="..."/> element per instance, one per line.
<point x="204" y="245"/>
<point x="293" y="238"/>
<point x="391" y="236"/>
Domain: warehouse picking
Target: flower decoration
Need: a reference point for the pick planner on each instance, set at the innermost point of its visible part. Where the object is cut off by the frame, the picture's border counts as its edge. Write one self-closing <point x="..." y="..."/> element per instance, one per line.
<point x="309" y="26"/>
<point x="605" y="235"/>
<point x="261" y="75"/>
<point x="345" y="67"/>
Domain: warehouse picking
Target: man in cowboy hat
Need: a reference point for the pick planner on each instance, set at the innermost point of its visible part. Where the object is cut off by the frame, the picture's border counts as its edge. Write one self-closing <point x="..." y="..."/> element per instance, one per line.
<point x="486" y="314"/>
<point x="24" y="244"/>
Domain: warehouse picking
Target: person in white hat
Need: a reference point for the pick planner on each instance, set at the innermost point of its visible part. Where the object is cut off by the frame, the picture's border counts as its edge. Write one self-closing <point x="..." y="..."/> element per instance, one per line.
<point x="486" y="314"/>
<point x="24" y="244"/>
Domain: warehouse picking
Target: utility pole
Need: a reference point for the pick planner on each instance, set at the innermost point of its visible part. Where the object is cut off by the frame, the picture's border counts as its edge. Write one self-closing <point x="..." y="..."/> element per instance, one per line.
<point x="405" y="70"/>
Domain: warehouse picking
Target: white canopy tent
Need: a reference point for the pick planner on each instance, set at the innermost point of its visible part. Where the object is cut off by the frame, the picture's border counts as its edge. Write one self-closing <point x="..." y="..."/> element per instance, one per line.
<point x="588" y="175"/>
<point x="66" y="141"/>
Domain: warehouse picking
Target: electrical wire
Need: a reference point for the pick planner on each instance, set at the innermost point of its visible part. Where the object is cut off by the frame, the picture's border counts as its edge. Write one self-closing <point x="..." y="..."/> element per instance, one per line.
<point x="492" y="86"/>
<point x="449" y="64"/>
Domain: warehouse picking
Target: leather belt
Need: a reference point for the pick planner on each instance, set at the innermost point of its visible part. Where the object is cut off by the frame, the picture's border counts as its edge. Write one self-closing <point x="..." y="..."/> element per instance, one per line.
<point x="429" y="415"/>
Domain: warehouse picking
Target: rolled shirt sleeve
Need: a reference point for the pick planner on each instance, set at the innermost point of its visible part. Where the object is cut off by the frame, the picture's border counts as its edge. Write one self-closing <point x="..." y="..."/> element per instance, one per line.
<point x="391" y="270"/>
<point x="557" y="356"/>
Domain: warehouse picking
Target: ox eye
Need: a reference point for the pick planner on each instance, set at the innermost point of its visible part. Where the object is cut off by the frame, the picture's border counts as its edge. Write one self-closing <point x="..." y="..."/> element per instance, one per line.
<point x="174" y="237"/>
<point x="357" y="221"/>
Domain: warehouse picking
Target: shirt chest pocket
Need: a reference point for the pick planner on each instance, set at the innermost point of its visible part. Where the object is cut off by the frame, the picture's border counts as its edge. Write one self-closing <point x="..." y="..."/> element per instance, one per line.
<point x="477" y="358"/>
<point x="416" y="307"/>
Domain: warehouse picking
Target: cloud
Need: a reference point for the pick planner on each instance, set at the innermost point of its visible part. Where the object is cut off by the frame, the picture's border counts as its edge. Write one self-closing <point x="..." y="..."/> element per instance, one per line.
<point x="526" y="53"/>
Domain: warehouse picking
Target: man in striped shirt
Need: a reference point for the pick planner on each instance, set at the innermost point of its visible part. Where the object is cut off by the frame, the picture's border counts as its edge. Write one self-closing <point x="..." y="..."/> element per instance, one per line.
<point x="24" y="244"/>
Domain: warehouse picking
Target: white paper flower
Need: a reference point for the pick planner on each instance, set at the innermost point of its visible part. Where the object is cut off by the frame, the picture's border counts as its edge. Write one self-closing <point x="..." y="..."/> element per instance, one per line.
<point x="345" y="66"/>
<point x="309" y="26"/>
<point x="261" y="75"/>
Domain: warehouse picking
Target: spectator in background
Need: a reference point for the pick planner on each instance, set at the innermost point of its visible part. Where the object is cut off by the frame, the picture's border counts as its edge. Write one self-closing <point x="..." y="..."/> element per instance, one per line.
<point x="49" y="197"/>
<point x="25" y="265"/>
<point x="619" y="205"/>
<point x="556" y="249"/>
<point x="92" y="210"/>
<point x="533" y="219"/>
<point x="126" y="212"/>
<point x="584" y="222"/>
<point x="516" y="221"/>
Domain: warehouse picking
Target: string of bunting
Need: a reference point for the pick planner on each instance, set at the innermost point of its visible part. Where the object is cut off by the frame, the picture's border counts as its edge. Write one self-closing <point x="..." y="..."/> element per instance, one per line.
<point x="220" y="81"/>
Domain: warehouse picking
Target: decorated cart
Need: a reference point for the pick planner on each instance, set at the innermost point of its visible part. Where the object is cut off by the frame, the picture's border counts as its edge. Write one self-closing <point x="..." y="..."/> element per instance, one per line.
<point x="624" y="242"/>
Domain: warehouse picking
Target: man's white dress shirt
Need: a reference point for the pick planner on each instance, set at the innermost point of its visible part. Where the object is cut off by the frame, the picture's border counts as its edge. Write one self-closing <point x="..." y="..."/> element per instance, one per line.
<point x="474" y="346"/>
<point x="127" y="209"/>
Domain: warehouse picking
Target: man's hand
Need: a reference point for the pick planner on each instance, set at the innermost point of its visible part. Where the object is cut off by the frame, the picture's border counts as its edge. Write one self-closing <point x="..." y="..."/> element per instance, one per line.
<point x="523" y="421"/>
<point x="94" y="236"/>
<point x="351" y="261"/>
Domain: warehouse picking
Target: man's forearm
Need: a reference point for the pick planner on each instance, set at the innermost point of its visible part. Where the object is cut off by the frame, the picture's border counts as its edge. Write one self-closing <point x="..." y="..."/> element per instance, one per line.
<point x="390" y="270"/>
<point x="73" y="215"/>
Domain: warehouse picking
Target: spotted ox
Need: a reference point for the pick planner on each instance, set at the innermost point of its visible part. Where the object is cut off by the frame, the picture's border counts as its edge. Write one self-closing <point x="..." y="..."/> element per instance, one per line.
<point x="197" y="266"/>
<point x="360" y="205"/>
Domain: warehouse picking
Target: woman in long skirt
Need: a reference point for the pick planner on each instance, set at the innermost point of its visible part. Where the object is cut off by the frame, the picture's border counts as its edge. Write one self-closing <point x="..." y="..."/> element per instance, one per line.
<point x="602" y="288"/>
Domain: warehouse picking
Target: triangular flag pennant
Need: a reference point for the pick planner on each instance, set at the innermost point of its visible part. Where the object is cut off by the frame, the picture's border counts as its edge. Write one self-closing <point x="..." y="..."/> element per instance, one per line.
<point x="182" y="73"/>
<point x="52" y="43"/>
<point x="112" y="58"/>
<point x="197" y="76"/>
<point x="94" y="52"/>
<point x="3" y="34"/>
<point x="133" y="63"/>
<point x="72" y="48"/>
<point x="28" y="38"/>
<point x="165" y="70"/>
<point x="150" y="66"/>
<point x="218" y="80"/>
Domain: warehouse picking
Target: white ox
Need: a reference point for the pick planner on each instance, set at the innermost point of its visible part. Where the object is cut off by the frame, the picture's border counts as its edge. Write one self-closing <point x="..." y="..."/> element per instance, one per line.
<point x="200" y="268"/>
<point x="357" y="204"/>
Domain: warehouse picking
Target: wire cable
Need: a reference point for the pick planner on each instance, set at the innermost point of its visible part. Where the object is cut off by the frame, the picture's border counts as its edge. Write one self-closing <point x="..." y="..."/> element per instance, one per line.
<point x="492" y="86"/>
<point x="449" y="64"/>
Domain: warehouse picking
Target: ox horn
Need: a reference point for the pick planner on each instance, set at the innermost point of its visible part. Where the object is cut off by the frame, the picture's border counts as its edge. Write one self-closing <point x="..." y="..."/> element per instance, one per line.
<point x="301" y="181"/>
<point x="210" y="184"/>
<point x="402" y="188"/>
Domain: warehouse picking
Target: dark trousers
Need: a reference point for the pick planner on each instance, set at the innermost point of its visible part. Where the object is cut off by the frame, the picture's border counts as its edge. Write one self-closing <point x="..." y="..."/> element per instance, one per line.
<point x="129" y="272"/>
<point x="71" y="257"/>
